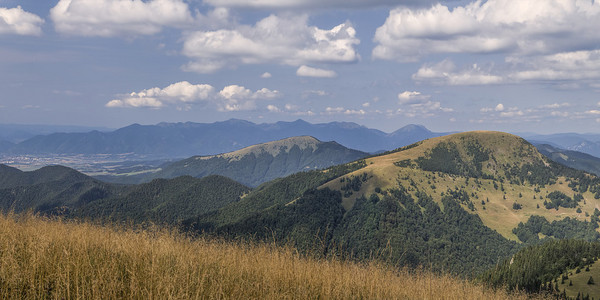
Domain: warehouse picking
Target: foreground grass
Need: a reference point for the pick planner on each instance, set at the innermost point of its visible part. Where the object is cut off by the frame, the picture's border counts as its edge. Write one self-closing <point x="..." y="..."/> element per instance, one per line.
<point x="41" y="258"/>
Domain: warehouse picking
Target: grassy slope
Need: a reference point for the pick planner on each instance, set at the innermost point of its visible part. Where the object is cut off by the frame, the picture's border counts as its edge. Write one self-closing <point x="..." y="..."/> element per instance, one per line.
<point x="499" y="214"/>
<point x="53" y="259"/>
<point x="580" y="282"/>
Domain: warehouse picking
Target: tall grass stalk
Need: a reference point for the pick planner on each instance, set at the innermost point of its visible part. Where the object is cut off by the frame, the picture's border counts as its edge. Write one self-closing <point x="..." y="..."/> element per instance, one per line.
<point x="42" y="258"/>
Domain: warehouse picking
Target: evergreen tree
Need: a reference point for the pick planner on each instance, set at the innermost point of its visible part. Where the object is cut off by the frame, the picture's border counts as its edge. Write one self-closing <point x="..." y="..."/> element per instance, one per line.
<point x="591" y="280"/>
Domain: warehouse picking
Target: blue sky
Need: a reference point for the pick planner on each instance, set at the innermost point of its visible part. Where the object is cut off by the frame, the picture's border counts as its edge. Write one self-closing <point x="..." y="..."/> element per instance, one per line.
<point x="520" y="66"/>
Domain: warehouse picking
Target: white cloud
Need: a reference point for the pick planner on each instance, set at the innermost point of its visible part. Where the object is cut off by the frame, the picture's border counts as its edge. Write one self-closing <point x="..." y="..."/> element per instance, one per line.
<point x="556" y="105"/>
<point x="332" y="110"/>
<point x="176" y="93"/>
<point x="525" y="27"/>
<point x="273" y="108"/>
<point x="559" y="113"/>
<point x="182" y="94"/>
<point x="593" y="112"/>
<point x="511" y="113"/>
<point x="499" y="107"/>
<point x="341" y="110"/>
<point x="306" y="71"/>
<point x="414" y="97"/>
<point x="415" y="104"/>
<point x="445" y="72"/>
<point x="299" y="4"/>
<point x="108" y="18"/>
<point x="236" y="98"/>
<point x="576" y="65"/>
<point x="319" y="93"/>
<point x="366" y="104"/>
<point x="18" y="21"/>
<point x="284" y="40"/>
<point x="266" y="75"/>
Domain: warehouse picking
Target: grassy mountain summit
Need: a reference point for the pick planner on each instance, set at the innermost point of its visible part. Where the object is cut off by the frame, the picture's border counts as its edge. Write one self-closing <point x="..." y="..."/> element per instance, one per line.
<point x="498" y="176"/>
<point x="260" y="163"/>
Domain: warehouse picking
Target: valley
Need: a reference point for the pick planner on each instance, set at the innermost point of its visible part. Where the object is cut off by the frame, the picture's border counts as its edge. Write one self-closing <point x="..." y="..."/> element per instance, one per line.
<point x="461" y="204"/>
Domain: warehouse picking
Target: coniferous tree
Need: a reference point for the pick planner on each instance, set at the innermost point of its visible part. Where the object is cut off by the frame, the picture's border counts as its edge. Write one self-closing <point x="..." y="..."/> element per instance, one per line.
<point x="591" y="280"/>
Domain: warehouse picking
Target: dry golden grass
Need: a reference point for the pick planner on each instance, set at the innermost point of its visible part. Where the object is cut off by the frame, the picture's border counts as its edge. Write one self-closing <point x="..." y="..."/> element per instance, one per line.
<point x="53" y="259"/>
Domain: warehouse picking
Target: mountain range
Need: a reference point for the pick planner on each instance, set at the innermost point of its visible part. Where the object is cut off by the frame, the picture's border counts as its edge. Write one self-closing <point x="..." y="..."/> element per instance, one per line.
<point x="586" y="143"/>
<point x="189" y="139"/>
<point x="574" y="159"/>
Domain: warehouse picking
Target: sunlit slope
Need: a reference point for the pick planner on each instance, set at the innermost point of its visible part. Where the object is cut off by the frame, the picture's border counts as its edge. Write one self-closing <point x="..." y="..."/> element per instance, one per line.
<point x="488" y="172"/>
<point x="261" y="163"/>
<point x="69" y="260"/>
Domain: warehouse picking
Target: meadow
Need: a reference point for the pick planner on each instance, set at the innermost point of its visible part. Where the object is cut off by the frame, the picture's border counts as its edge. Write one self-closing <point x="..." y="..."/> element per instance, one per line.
<point x="42" y="258"/>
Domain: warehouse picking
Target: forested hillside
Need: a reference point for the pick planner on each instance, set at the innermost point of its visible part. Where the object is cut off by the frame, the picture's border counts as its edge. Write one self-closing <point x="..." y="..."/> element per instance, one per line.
<point x="257" y="164"/>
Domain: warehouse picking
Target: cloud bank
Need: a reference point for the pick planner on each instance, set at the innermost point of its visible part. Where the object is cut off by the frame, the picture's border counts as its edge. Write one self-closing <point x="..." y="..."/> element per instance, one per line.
<point x="494" y="26"/>
<point x="313" y="4"/>
<point x="282" y="40"/>
<point x="230" y="98"/>
<point x="107" y="18"/>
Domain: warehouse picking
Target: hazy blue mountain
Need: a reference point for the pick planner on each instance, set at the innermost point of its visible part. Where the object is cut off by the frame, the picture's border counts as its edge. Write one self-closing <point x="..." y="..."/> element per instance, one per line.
<point x="586" y="143"/>
<point x="5" y="145"/>
<point x="16" y="133"/>
<point x="257" y="164"/>
<point x="573" y="159"/>
<point x="188" y="139"/>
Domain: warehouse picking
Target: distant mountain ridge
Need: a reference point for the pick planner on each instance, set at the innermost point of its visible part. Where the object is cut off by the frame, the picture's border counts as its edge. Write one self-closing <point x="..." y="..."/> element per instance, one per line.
<point x="586" y="143"/>
<point x="256" y="164"/>
<point x="188" y="139"/>
<point x="574" y="159"/>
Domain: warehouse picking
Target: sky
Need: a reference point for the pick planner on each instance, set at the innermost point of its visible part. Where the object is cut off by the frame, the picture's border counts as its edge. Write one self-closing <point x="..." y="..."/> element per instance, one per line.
<point x="518" y="66"/>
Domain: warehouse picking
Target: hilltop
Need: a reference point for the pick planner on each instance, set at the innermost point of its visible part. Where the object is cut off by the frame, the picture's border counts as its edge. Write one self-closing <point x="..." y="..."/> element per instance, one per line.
<point x="257" y="164"/>
<point x="489" y="171"/>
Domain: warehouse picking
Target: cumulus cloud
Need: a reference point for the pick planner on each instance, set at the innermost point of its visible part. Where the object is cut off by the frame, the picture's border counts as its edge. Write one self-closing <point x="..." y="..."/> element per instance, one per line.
<point x="297" y="4"/>
<point x="523" y="27"/>
<point x="499" y="107"/>
<point x="266" y="75"/>
<point x="415" y="104"/>
<point x="180" y="92"/>
<point x="311" y="93"/>
<point x="341" y="110"/>
<point x="230" y="98"/>
<point x="273" y="108"/>
<point x="306" y="71"/>
<point x="555" y="105"/>
<point x="446" y="72"/>
<point x="236" y="98"/>
<point x="285" y="40"/>
<point x="108" y="18"/>
<point x="575" y="65"/>
<point x="414" y="97"/>
<point x="18" y="21"/>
